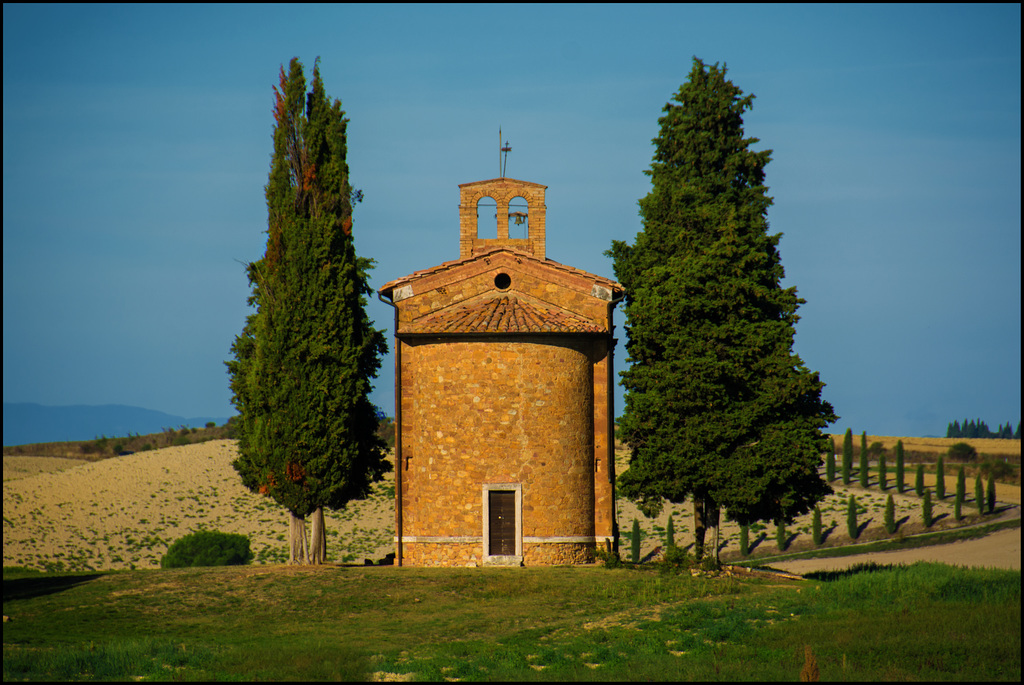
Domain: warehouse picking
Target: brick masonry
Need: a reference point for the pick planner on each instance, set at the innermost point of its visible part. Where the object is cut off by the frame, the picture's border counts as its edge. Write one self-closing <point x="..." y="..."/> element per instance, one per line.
<point x="504" y="358"/>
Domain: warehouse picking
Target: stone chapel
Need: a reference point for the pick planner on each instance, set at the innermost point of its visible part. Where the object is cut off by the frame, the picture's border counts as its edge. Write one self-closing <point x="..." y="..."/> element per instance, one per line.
<point x="503" y="395"/>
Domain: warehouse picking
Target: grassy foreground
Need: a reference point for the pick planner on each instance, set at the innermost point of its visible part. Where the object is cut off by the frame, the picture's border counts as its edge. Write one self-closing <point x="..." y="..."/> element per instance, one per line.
<point x="926" y="621"/>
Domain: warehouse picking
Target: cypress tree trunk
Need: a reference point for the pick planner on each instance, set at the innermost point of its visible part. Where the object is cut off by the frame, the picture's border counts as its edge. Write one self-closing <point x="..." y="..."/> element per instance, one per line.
<point x="299" y="552"/>
<point x="318" y="535"/>
<point x="699" y="527"/>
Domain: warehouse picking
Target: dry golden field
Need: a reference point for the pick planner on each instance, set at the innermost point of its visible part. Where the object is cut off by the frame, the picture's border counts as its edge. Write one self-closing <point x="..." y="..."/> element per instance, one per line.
<point x="990" y="446"/>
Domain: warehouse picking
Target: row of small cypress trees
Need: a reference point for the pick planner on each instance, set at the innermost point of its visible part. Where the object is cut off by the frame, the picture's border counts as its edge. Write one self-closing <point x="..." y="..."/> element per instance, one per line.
<point x="984" y="498"/>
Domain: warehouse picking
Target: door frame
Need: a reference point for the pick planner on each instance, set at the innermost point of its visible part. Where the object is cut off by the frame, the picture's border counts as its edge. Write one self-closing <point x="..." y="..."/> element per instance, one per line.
<point x="499" y="559"/>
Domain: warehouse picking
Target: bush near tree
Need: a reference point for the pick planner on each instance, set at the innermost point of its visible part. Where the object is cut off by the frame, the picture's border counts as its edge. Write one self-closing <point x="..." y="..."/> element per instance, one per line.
<point x="208" y="548"/>
<point x="962" y="452"/>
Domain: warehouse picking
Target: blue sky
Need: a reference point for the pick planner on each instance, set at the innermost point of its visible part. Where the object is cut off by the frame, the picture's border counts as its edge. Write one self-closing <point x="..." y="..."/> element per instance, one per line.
<point x="137" y="142"/>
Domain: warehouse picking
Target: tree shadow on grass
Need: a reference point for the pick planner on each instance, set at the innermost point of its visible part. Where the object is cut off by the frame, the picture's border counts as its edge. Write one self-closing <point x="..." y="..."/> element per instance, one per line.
<point x="756" y="541"/>
<point x="862" y="527"/>
<point x="870" y="567"/>
<point x="39" y="586"/>
<point x="825" y="533"/>
<point x="899" y="524"/>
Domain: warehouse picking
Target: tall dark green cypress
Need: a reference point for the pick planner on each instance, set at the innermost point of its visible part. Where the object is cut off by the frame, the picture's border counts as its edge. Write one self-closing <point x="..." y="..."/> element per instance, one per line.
<point x="304" y="363"/>
<point x="900" y="468"/>
<point x="862" y="469"/>
<point x="961" y="494"/>
<point x="979" y="495"/>
<point x="940" y="479"/>
<point x="718" y="408"/>
<point x="847" y="456"/>
<point x="990" y="494"/>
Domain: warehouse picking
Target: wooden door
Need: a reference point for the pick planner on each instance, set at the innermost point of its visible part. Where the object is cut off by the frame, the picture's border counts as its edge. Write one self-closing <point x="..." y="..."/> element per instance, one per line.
<point x="502" y="522"/>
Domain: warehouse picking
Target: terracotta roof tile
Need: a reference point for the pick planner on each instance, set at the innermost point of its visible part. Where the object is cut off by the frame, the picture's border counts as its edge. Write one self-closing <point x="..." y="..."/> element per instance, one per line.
<point x="445" y="266"/>
<point x="506" y="314"/>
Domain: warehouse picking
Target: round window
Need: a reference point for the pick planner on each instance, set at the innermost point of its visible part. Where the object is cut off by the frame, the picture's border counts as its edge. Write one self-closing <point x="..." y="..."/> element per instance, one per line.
<point x="502" y="281"/>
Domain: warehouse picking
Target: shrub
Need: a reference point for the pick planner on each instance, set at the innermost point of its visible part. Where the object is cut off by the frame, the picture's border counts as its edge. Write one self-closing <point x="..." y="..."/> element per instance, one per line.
<point x="851" y="518"/>
<point x="890" y="516"/>
<point x="816" y="526"/>
<point x="940" y="479"/>
<point x="676" y="559"/>
<point x="926" y="509"/>
<point x="634" y="548"/>
<point x="208" y="548"/>
<point x="997" y="468"/>
<point x="961" y="451"/>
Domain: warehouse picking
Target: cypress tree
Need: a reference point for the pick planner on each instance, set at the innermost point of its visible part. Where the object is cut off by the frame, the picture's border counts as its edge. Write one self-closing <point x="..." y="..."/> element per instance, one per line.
<point x="940" y="479"/>
<point x="816" y="526"/>
<point x="780" y="535"/>
<point x="890" y="515"/>
<point x="851" y="519"/>
<point x="670" y="534"/>
<point x="883" y="474"/>
<point x="863" y="468"/>
<point x="979" y="495"/>
<point x="830" y="466"/>
<point x="744" y="539"/>
<point x="961" y="493"/>
<point x="304" y="362"/>
<point x="991" y="494"/>
<point x="919" y="481"/>
<point x="739" y="424"/>
<point x="847" y="456"/>
<point x="900" y="484"/>
<point x="634" y="548"/>
<point x="926" y="509"/>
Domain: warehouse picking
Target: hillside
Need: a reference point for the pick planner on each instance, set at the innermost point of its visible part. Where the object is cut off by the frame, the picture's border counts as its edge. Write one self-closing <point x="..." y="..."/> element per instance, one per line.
<point x="123" y="512"/>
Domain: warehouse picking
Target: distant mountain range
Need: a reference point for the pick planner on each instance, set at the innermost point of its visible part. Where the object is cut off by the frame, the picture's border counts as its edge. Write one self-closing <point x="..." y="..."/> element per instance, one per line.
<point x="26" y="423"/>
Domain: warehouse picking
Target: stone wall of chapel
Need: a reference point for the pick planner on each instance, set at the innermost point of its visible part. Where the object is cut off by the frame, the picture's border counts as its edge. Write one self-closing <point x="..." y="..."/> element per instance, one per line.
<point x="498" y="410"/>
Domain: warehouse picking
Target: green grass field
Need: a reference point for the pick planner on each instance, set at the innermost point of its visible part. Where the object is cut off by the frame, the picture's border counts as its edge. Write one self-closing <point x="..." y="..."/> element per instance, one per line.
<point x="921" y="622"/>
